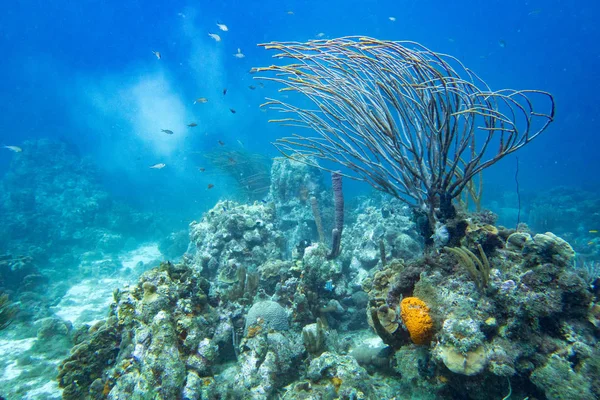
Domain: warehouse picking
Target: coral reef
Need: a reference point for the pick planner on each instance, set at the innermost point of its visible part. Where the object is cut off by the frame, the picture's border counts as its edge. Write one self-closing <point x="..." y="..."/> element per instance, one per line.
<point x="18" y="272"/>
<point x="174" y="245"/>
<point x="22" y="281"/>
<point x="339" y="376"/>
<point x="380" y="222"/>
<point x="53" y="207"/>
<point x="526" y="324"/>
<point x="569" y="212"/>
<point x="242" y="317"/>
<point x="293" y="186"/>
<point x="234" y="236"/>
<point x="154" y="337"/>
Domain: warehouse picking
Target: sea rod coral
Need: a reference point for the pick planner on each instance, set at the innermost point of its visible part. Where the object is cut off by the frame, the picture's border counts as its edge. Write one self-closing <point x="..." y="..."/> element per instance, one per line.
<point x="410" y="122"/>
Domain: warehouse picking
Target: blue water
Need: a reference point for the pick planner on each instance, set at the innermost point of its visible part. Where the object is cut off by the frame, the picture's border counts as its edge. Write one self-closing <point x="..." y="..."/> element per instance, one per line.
<point x="85" y="72"/>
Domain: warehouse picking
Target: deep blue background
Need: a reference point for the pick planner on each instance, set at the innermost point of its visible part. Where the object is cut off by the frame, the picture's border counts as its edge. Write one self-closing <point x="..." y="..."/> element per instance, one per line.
<point x="68" y="68"/>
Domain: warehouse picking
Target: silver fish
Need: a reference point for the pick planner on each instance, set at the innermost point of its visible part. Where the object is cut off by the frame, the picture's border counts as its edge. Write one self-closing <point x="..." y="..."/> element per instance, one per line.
<point x="16" y="149"/>
<point x="216" y="37"/>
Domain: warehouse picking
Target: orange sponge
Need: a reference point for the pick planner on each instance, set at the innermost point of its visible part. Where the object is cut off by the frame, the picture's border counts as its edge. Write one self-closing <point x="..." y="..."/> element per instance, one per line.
<point x="415" y="315"/>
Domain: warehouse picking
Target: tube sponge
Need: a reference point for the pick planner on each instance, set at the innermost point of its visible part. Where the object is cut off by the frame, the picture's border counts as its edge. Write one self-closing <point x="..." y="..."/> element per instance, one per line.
<point x="416" y="318"/>
<point x="338" y="202"/>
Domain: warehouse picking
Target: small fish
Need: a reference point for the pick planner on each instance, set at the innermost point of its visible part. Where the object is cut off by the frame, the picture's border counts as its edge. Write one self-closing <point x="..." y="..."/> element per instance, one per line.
<point x="290" y="13"/>
<point x="593" y="231"/>
<point x="157" y="54"/>
<point x="253" y="70"/>
<point x="224" y="91"/>
<point x="224" y="209"/>
<point x="16" y="149"/>
<point x="222" y="27"/>
<point x="216" y="37"/>
<point x="320" y="34"/>
<point x="201" y="100"/>
<point x="221" y="143"/>
<point x="232" y="110"/>
<point x="210" y="186"/>
<point x="502" y="43"/>
<point x="232" y="161"/>
<point x="251" y="87"/>
<point x="393" y="19"/>
<point x="158" y="166"/>
<point x="534" y="12"/>
<point x="329" y="286"/>
<point x="201" y="169"/>
<point x="182" y="15"/>
<point x="263" y="201"/>
<point x="192" y="125"/>
<point x="240" y="143"/>
<point x="262" y="85"/>
<point x="591" y="242"/>
<point x="167" y="131"/>
<point x="239" y="54"/>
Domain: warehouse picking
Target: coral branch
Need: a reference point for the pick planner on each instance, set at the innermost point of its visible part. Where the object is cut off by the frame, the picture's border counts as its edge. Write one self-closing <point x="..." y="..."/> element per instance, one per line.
<point x="413" y="123"/>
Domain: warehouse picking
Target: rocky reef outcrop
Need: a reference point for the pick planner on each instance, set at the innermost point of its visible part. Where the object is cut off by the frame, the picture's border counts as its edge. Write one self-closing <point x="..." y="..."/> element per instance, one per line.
<point x="511" y="317"/>
<point x="242" y="317"/>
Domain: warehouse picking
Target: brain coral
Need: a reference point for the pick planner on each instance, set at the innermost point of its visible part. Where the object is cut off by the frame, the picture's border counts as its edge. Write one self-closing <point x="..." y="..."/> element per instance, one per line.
<point x="415" y="315"/>
<point x="273" y="316"/>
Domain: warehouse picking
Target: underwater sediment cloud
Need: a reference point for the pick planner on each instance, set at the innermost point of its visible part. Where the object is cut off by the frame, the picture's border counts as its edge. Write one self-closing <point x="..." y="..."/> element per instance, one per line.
<point x="141" y="107"/>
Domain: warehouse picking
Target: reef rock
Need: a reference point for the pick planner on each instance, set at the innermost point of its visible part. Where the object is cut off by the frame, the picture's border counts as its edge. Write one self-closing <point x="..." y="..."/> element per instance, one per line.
<point x="155" y="336"/>
<point x="382" y="231"/>
<point x="550" y="248"/>
<point x="293" y="184"/>
<point x="233" y="235"/>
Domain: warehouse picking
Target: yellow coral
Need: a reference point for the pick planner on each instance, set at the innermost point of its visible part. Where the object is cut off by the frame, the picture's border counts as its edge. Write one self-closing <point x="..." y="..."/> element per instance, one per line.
<point x="415" y="315"/>
<point x="106" y="389"/>
<point x="337" y="382"/>
<point x="255" y="329"/>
